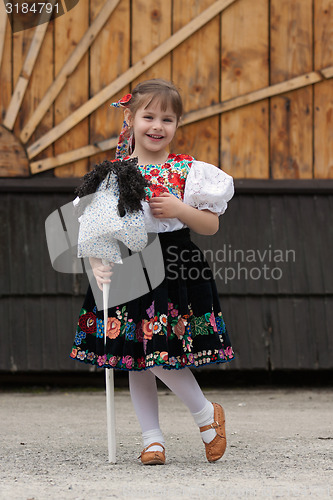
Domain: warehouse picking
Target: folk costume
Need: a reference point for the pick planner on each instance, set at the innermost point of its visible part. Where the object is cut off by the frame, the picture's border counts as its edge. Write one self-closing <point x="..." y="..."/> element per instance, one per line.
<point x="180" y="322"/>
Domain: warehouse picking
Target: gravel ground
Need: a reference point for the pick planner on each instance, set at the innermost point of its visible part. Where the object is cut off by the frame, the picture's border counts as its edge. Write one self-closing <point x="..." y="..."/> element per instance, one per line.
<point x="53" y="446"/>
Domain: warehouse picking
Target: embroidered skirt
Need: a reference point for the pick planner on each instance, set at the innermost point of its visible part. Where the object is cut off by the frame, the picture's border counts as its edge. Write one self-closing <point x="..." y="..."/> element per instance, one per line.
<point x="177" y="324"/>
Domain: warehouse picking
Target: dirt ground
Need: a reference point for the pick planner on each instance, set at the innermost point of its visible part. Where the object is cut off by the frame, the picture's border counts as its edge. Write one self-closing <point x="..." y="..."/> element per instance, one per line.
<point x="53" y="446"/>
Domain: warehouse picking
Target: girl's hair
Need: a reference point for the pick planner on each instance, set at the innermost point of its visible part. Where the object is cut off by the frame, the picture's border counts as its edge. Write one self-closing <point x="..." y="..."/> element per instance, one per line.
<point x="166" y="92"/>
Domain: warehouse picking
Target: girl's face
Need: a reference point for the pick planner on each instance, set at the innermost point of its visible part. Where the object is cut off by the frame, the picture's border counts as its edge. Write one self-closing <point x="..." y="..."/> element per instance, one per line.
<point x="153" y="128"/>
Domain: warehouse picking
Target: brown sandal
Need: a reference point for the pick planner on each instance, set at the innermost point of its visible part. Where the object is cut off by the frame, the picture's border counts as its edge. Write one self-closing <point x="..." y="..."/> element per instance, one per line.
<point x="216" y="448"/>
<point x="153" y="457"/>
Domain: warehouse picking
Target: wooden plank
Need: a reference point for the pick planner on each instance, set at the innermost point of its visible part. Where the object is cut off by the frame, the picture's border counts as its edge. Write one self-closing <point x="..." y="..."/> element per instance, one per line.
<point x="109" y="57"/>
<point x="27" y="67"/>
<point x="190" y="117"/>
<point x="291" y="135"/>
<point x="252" y="97"/>
<point x="20" y="46"/>
<point x="156" y="15"/>
<point x="68" y="68"/>
<point x="69" y="29"/>
<point x="327" y="72"/>
<point x="322" y="317"/>
<point x="5" y="248"/>
<point x="13" y="160"/>
<point x="128" y="76"/>
<point x="39" y="82"/>
<point x="323" y="208"/>
<point x="76" y="154"/>
<point x="3" y="25"/>
<point x="323" y="93"/>
<point x="195" y="69"/>
<point x="291" y="149"/>
<point x="244" y="53"/>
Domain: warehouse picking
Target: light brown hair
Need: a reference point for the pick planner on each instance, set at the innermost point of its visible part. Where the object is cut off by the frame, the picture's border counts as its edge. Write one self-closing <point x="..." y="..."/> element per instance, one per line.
<point x="156" y="88"/>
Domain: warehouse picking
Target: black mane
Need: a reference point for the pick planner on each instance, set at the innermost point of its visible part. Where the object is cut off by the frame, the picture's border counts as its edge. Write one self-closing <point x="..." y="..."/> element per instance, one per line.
<point x="130" y="181"/>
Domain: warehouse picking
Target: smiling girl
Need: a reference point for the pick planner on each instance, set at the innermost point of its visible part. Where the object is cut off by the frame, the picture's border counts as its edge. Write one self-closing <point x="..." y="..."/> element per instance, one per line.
<point x="179" y="324"/>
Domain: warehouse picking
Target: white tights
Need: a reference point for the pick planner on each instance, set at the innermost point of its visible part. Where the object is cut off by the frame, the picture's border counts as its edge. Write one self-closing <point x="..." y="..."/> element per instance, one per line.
<point x="182" y="382"/>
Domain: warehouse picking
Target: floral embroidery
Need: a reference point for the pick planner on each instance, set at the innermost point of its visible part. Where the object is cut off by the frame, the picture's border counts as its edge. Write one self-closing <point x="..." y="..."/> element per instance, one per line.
<point x="101" y="360"/>
<point x="213" y="322"/>
<point x="151" y="310"/>
<point x="174" y="312"/>
<point x="147" y="327"/>
<point x="87" y="322"/>
<point x="172" y="325"/>
<point x="130" y="330"/>
<point x="157" y="327"/>
<point x="170" y="177"/>
<point x="73" y="353"/>
<point x="128" y="361"/>
<point x="164" y="320"/>
<point x="164" y="356"/>
<point x="113" y="328"/>
<point x="141" y="362"/>
<point x="79" y="337"/>
<point x="179" y="328"/>
<point x="113" y="361"/>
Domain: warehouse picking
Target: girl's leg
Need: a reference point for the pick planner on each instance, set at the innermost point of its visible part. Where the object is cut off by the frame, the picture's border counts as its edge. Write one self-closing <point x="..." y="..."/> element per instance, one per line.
<point x="143" y="392"/>
<point x="185" y="386"/>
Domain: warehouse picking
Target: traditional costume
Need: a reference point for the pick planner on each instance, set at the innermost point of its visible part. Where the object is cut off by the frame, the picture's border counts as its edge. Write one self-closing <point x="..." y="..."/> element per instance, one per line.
<point x="179" y="323"/>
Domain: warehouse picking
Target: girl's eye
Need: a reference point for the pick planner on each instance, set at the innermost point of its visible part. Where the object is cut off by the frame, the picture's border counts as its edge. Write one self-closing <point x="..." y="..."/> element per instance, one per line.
<point x="168" y="120"/>
<point x="148" y="117"/>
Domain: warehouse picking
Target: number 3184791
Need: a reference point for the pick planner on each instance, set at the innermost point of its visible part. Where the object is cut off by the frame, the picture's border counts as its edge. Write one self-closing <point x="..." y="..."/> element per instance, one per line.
<point x="36" y="8"/>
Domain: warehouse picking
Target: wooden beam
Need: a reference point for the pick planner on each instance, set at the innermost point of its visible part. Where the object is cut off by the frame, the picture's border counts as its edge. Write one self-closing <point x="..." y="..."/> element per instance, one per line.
<point x="251" y="97"/>
<point x="28" y="66"/>
<point x="76" y="154"/>
<point x="128" y="76"/>
<point x="67" y="69"/>
<point x="194" y="116"/>
<point x="327" y="72"/>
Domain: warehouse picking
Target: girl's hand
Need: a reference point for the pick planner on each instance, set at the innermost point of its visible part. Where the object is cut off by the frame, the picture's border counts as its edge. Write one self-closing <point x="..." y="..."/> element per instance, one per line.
<point x="165" y="206"/>
<point x="102" y="273"/>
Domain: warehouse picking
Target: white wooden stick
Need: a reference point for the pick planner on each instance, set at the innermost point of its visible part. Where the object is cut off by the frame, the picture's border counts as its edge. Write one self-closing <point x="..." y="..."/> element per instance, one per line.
<point x="109" y="385"/>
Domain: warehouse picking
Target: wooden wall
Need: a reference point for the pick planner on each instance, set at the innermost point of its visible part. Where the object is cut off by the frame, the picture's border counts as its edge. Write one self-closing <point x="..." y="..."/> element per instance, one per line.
<point x="256" y="77"/>
<point x="277" y="319"/>
<point x="257" y="81"/>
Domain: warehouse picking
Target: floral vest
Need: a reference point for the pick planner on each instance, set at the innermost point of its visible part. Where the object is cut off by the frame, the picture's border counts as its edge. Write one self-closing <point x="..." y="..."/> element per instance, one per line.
<point x="169" y="177"/>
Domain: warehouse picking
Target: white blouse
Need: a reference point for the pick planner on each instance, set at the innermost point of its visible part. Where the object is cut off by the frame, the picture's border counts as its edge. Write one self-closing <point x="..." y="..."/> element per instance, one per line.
<point x="206" y="187"/>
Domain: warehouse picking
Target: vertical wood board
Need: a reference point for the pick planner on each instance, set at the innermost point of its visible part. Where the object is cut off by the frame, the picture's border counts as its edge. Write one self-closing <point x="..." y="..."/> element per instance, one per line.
<point x="111" y="45"/>
<point x="291" y="54"/>
<point x="195" y="70"/>
<point x="151" y="26"/>
<point x="69" y="29"/>
<point x="244" y="56"/>
<point x="323" y="92"/>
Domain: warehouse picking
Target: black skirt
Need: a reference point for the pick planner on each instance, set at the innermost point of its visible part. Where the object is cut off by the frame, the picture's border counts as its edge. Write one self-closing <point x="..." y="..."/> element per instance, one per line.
<point x="177" y="324"/>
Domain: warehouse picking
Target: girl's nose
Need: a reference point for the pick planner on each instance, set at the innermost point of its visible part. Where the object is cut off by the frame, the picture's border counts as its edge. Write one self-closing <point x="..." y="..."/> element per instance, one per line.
<point x="157" y="125"/>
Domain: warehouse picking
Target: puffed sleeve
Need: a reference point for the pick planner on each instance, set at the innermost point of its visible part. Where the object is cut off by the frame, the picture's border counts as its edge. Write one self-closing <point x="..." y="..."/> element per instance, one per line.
<point x="208" y="187"/>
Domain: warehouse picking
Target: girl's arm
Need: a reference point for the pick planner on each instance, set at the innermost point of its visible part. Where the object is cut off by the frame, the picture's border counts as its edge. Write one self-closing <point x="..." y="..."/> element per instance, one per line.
<point x="169" y="206"/>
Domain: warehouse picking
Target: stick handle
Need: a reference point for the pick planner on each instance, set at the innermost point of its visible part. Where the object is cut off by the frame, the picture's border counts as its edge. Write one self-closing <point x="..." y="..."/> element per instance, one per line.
<point x="109" y="385"/>
<point x="110" y="414"/>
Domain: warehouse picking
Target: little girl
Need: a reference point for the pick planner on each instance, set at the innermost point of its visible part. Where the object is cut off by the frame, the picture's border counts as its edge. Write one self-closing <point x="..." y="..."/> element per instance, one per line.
<point x="179" y="324"/>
